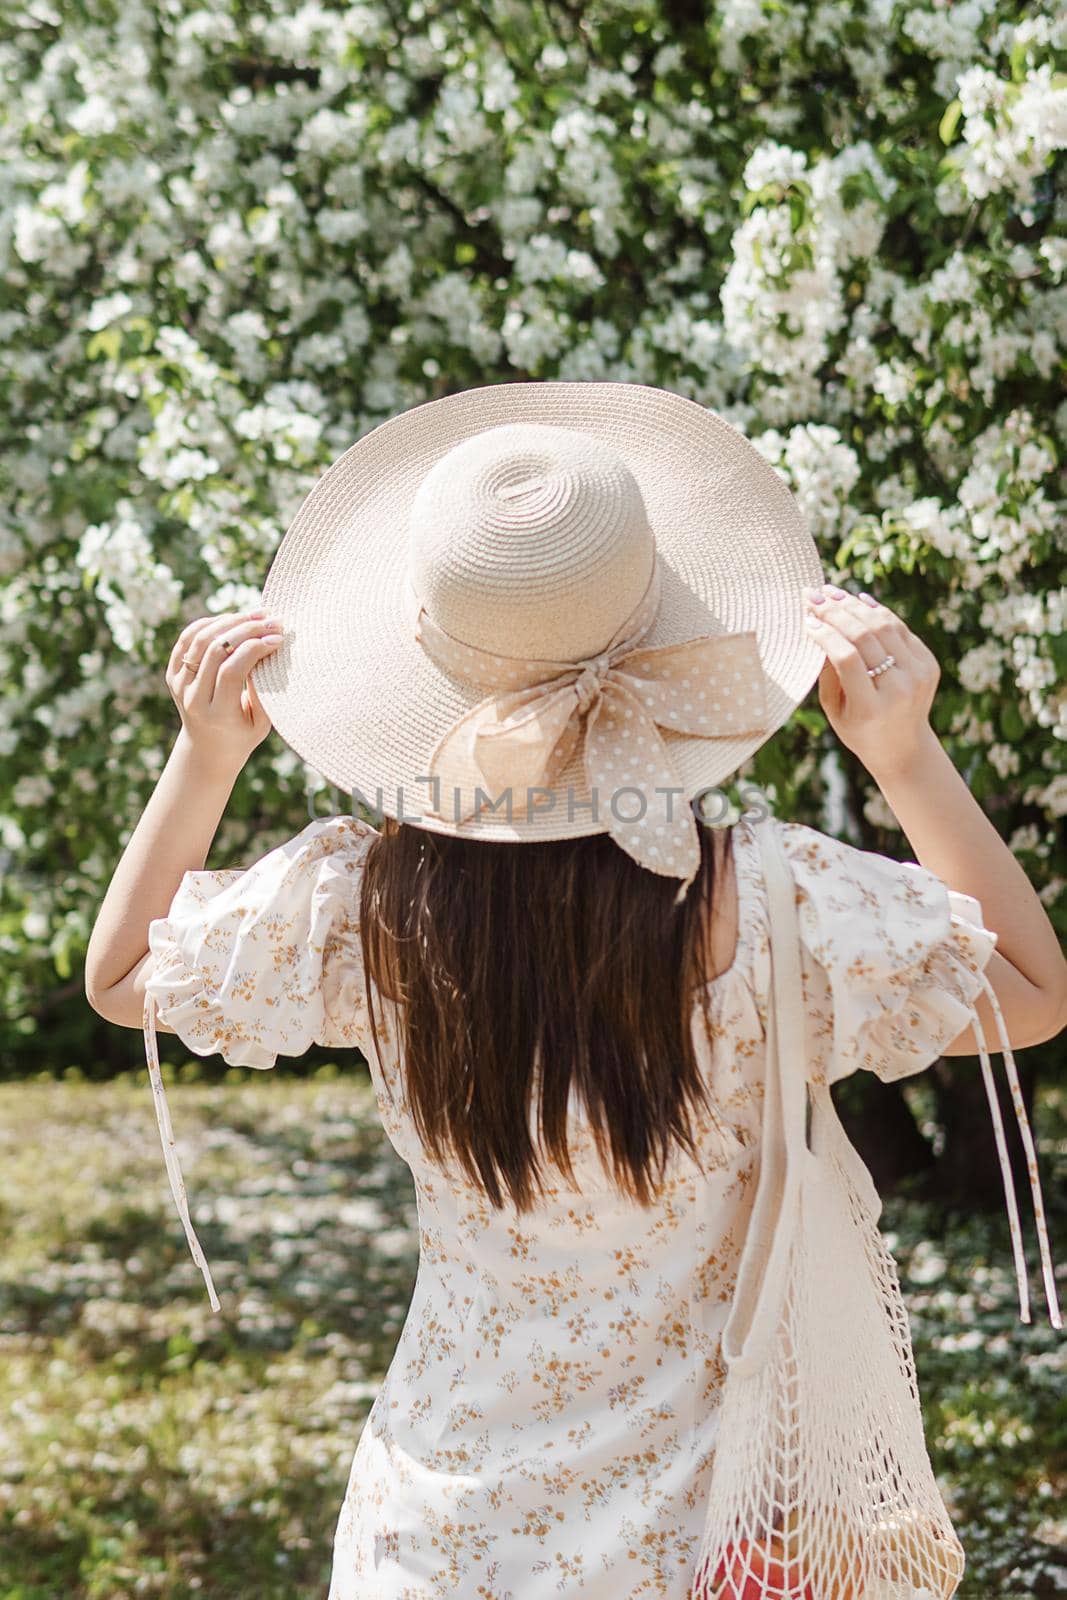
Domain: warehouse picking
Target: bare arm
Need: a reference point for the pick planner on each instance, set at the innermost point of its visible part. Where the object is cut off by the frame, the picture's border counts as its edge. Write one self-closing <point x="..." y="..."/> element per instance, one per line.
<point x="885" y="722"/>
<point x="172" y="837"/>
<point x="222" y="722"/>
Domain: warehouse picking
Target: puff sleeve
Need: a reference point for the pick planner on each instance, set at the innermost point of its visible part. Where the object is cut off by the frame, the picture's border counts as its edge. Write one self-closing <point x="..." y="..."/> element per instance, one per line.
<point x="892" y="959"/>
<point x="259" y="963"/>
<point x="892" y="962"/>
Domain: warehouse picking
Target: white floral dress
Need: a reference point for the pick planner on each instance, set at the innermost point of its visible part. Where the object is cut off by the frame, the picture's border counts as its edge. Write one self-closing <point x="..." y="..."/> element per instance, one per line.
<point x="548" y="1420"/>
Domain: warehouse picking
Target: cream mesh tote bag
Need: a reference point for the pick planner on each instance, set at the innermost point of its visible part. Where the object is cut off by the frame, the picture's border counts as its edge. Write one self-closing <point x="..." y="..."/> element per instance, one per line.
<point x="821" y="1488"/>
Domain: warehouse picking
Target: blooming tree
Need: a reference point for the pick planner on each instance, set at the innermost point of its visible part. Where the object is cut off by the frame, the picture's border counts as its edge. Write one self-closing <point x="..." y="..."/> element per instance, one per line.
<point x="233" y="239"/>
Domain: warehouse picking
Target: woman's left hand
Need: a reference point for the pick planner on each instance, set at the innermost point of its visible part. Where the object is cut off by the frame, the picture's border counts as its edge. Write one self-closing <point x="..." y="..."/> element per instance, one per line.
<point x="222" y="718"/>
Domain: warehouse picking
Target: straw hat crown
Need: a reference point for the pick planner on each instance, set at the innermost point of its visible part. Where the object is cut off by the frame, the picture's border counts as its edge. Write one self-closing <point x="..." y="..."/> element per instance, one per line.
<point x="530" y="540"/>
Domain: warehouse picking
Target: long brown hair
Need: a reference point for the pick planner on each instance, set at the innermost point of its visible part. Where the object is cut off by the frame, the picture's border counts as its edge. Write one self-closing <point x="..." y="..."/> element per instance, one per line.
<point x="559" y="960"/>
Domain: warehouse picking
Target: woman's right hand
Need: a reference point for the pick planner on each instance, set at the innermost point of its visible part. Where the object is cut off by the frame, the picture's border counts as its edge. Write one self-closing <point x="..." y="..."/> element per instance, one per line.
<point x="885" y="721"/>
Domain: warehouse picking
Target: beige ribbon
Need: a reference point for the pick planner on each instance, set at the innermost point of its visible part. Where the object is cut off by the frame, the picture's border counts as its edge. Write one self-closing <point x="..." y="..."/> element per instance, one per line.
<point x="170" y="1151"/>
<point x="522" y="735"/>
<point x="1048" y="1270"/>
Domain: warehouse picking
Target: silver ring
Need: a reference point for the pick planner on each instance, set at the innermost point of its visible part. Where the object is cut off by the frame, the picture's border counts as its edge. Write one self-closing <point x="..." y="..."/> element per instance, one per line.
<point x="883" y="666"/>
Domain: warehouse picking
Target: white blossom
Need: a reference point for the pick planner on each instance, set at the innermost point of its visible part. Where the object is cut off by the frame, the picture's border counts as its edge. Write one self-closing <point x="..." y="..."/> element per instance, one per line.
<point x="981" y="668"/>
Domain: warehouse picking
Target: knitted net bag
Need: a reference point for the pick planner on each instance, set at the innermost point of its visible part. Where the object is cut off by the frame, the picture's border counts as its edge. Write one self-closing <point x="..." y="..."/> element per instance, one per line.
<point x="821" y="1485"/>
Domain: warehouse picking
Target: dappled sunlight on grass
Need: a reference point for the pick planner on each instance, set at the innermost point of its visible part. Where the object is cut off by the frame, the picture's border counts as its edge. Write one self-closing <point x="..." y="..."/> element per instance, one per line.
<point x="993" y="1386"/>
<point x="153" y="1447"/>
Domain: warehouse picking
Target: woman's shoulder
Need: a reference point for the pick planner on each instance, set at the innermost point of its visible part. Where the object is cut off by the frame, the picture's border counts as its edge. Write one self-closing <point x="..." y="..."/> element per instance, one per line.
<point x="840" y="880"/>
<point x="343" y="835"/>
<point x="848" y="899"/>
<point x="325" y="858"/>
<point x="809" y="849"/>
<point x="264" y="961"/>
<point x="890" y="954"/>
<point x="844" y="891"/>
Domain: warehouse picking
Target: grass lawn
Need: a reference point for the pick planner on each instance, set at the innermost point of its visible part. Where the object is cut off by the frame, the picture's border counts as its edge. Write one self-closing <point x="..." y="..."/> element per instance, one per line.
<point x="153" y="1447"/>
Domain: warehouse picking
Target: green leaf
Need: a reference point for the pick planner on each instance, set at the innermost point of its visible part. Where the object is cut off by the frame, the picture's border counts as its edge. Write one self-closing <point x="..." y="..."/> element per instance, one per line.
<point x="1057" y="645"/>
<point x="107" y="342"/>
<point x="859" y="186"/>
<point x="144" y="329"/>
<point x="946" y="128"/>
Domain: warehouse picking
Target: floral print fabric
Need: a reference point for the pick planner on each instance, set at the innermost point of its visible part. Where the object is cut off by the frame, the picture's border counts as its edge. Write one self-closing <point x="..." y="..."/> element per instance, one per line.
<point x="241" y="957"/>
<point x="547" y="1424"/>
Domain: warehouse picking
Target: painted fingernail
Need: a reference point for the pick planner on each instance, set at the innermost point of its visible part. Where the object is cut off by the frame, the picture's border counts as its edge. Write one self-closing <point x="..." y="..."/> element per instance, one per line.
<point x="273" y="638"/>
<point x="817" y="597"/>
<point x="813" y="621"/>
<point x="838" y="594"/>
<point x="869" y="598"/>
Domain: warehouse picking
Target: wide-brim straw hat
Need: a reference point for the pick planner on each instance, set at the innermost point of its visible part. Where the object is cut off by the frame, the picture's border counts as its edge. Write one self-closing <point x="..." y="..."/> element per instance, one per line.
<point x="531" y="545"/>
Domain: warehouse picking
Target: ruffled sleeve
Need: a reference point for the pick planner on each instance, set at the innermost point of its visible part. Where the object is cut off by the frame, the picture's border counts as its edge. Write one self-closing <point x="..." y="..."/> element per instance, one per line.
<point x="892" y="958"/>
<point x="892" y="962"/>
<point x="259" y="963"/>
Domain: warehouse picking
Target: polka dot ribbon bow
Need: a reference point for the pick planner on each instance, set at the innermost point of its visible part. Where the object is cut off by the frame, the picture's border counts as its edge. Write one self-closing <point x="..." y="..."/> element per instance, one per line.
<point x="523" y="734"/>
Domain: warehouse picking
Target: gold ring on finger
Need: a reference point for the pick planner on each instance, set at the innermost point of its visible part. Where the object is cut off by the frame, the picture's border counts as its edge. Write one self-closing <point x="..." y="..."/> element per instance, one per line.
<point x="192" y="665"/>
<point x="227" y="645"/>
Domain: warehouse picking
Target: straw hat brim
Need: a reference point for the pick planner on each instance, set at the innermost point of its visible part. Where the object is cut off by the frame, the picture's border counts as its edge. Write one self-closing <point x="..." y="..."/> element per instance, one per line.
<point x="354" y="694"/>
